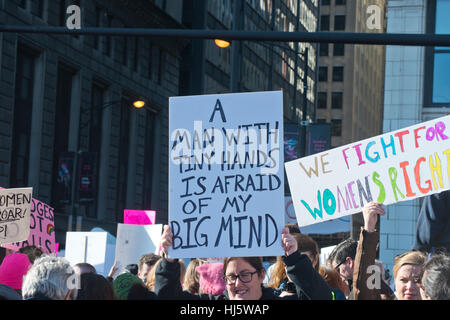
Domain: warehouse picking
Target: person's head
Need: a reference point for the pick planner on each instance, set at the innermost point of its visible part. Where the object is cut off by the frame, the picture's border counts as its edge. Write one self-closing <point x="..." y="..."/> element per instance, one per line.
<point x="293" y="228"/>
<point x="211" y="278"/>
<point x="123" y="283"/>
<point x="305" y="245"/>
<point x="333" y="279"/>
<point x="32" y="252"/>
<point x="342" y="258"/>
<point x="13" y="269"/>
<point x="132" y="268"/>
<point x="138" y="291"/>
<point x="83" y="267"/>
<point x="308" y="246"/>
<point x="49" y="276"/>
<point x="408" y="274"/>
<point x="94" y="287"/>
<point x="145" y="263"/>
<point x="150" y="280"/>
<point x="191" y="277"/>
<point x="243" y="277"/>
<point x="436" y="278"/>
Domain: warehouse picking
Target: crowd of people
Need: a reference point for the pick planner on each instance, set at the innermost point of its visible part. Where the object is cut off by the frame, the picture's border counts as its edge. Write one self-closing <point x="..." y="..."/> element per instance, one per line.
<point x="351" y="271"/>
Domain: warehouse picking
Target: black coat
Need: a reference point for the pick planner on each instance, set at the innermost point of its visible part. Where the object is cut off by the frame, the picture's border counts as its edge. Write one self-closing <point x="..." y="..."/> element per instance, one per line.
<point x="309" y="284"/>
<point x="433" y="223"/>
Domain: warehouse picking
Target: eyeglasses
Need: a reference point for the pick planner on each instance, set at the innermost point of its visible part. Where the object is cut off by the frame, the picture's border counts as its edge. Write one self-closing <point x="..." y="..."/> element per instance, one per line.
<point x="244" y="277"/>
<point x="340" y="263"/>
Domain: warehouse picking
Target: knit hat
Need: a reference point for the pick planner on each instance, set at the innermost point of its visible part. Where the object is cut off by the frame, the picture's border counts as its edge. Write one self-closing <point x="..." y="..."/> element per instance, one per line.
<point x="123" y="283"/>
<point x="14" y="267"/>
<point x="211" y="278"/>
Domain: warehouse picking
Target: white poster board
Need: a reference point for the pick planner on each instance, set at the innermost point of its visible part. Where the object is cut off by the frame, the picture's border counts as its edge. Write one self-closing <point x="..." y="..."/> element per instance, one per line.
<point x="15" y="208"/>
<point x="135" y="240"/>
<point x="92" y="248"/>
<point x="326" y="227"/>
<point x="226" y="179"/>
<point x="396" y="166"/>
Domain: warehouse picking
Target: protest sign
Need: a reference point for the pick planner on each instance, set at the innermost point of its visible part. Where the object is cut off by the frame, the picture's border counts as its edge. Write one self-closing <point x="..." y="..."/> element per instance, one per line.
<point x="135" y="240"/>
<point x="42" y="228"/>
<point x="139" y="216"/>
<point x="392" y="167"/>
<point x="226" y="181"/>
<point x="92" y="248"/>
<point x="15" y="214"/>
<point x="326" y="227"/>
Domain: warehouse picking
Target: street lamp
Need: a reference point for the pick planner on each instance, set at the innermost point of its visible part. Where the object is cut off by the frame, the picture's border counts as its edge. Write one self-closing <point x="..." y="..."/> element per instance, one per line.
<point x="75" y="200"/>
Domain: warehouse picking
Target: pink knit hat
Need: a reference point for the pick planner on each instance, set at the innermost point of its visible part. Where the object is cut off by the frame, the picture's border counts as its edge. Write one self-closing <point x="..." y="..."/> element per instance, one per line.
<point x="12" y="270"/>
<point x="211" y="278"/>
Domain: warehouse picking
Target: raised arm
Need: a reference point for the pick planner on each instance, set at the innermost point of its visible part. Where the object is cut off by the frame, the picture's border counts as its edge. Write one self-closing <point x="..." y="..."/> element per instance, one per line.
<point x="309" y="284"/>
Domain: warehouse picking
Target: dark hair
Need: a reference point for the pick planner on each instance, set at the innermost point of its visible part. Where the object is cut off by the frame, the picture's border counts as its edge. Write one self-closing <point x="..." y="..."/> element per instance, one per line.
<point x="95" y="287"/>
<point x="255" y="262"/>
<point x="138" y="291"/>
<point x="149" y="259"/>
<point x="86" y="267"/>
<point x="293" y="228"/>
<point x="346" y="248"/>
<point x="436" y="278"/>
<point x="132" y="268"/>
<point x="32" y="252"/>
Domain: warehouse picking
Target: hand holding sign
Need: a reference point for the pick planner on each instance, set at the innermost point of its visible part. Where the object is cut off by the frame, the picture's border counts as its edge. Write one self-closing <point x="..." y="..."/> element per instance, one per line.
<point x="166" y="242"/>
<point x="370" y="213"/>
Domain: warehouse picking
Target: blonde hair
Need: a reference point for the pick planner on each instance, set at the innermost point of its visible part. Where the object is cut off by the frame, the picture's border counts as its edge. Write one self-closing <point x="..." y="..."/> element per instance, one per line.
<point x="191" y="279"/>
<point x="409" y="257"/>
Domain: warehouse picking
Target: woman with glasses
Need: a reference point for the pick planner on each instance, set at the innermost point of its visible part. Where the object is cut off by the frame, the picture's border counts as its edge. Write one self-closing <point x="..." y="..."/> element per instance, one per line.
<point x="244" y="275"/>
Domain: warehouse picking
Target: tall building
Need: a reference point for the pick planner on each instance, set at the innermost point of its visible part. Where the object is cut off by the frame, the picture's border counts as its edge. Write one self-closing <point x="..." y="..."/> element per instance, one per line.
<point x="351" y="77"/>
<point x="61" y="95"/>
<point x="416" y="90"/>
<point x="258" y="66"/>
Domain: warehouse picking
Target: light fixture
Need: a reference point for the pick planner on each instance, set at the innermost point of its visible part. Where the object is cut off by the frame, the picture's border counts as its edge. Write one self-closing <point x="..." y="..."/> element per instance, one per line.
<point x="139" y="104"/>
<point x="221" y="43"/>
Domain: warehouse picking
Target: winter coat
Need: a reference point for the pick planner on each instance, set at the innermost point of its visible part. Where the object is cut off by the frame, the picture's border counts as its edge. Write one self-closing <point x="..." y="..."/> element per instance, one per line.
<point x="309" y="284"/>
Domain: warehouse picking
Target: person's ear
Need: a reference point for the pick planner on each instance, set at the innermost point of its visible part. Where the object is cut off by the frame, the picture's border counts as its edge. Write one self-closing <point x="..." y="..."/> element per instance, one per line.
<point x="351" y="262"/>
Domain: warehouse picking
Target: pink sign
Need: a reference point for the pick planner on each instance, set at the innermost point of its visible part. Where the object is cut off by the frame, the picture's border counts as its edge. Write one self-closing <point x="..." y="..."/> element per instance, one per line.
<point x="139" y="217"/>
<point x="42" y="229"/>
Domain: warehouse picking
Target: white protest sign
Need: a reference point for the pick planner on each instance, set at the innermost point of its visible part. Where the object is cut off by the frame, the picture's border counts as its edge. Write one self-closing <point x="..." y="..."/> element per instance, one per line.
<point x="226" y="179"/>
<point x="15" y="208"/>
<point x="135" y="240"/>
<point x="392" y="167"/>
<point x="92" y="248"/>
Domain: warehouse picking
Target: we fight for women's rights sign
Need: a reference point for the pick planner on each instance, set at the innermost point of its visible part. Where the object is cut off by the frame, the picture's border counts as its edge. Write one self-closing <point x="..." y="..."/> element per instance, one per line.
<point x="392" y="167"/>
<point x="226" y="178"/>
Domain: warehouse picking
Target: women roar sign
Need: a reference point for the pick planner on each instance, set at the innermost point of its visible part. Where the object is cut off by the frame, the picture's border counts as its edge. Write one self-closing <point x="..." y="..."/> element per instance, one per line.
<point x="396" y="166"/>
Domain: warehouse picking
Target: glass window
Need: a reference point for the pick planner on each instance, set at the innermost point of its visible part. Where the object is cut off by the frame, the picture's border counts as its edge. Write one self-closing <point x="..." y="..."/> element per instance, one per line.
<point x="340" y="2"/>
<point x="22" y="4"/>
<point x="325" y="2"/>
<point x="322" y="100"/>
<point x="324" y="23"/>
<point x="61" y="133"/>
<point x="338" y="49"/>
<point x="441" y="76"/>
<point x="336" y="100"/>
<point x="323" y="74"/>
<point x="22" y="119"/>
<point x="338" y="74"/>
<point x="323" y="49"/>
<point x="336" y="127"/>
<point x="339" y="23"/>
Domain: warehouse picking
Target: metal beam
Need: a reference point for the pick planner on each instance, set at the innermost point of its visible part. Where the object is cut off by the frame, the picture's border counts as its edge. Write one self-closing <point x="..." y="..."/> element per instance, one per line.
<point x="401" y="39"/>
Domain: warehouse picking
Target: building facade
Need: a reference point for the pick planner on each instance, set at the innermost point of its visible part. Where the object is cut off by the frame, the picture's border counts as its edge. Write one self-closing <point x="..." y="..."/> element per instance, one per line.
<point x="63" y="95"/>
<point x="351" y="77"/>
<point x="416" y="90"/>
